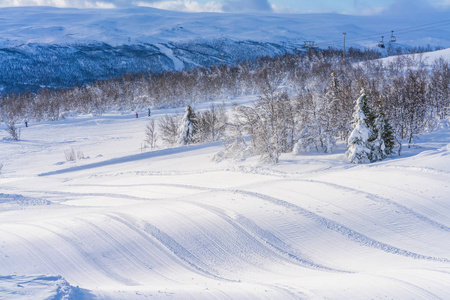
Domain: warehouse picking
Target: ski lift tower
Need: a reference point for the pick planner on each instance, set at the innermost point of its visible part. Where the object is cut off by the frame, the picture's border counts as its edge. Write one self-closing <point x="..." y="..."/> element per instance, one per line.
<point x="343" y="53"/>
<point x="309" y="45"/>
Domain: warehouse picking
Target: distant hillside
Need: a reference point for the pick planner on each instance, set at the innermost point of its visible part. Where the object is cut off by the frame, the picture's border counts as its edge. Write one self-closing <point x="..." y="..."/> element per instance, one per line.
<point x="43" y="46"/>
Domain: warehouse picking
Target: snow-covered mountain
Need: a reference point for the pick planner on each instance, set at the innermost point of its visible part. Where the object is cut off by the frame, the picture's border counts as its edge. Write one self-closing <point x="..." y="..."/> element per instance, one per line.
<point x="44" y="46"/>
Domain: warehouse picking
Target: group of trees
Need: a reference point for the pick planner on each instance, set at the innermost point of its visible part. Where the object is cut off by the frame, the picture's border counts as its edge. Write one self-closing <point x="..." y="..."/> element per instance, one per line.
<point x="306" y="102"/>
<point x="194" y="127"/>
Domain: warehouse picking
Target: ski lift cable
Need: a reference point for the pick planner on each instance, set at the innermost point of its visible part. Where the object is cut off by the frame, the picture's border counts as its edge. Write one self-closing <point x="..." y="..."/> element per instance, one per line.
<point x="426" y="25"/>
<point x="401" y="31"/>
<point x="419" y="29"/>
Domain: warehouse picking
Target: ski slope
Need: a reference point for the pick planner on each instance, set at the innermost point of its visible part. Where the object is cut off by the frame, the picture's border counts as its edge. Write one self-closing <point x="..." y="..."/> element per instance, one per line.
<point x="130" y="223"/>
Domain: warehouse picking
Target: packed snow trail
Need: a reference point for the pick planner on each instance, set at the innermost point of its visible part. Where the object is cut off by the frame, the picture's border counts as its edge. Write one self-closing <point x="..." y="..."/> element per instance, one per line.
<point x="174" y="223"/>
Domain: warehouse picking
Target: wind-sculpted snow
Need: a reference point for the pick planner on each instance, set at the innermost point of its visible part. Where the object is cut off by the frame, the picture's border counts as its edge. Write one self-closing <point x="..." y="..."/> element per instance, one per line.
<point x="39" y="287"/>
<point x="174" y="223"/>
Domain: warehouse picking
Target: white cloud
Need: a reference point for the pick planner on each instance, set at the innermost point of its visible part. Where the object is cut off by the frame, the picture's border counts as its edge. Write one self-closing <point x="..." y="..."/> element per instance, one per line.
<point x="58" y="3"/>
<point x="178" y="5"/>
<point x="246" y="5"/>
<point x="183" y="5"/>
<point x="282" y="9"/>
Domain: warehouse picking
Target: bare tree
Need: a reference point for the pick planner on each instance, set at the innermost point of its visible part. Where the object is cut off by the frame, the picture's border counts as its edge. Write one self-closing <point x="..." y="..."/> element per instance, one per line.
<point x="13" y="131"/>
<point x="270" y="124"/>
<point x="151" y="134"/>
<point x="414" y="97"/>
<point x="211" y="124"/>
<point x="169" y="129"/>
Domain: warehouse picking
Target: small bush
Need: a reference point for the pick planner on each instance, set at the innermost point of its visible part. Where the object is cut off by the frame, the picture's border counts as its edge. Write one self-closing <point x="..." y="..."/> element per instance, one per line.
<point x="13" y="131"/>
<point x="70" y="154"/>
<point x="80" y="154"/>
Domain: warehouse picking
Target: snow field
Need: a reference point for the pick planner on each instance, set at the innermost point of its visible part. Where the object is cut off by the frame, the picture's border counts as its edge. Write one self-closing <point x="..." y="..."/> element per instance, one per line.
<point x="131" y="224"/>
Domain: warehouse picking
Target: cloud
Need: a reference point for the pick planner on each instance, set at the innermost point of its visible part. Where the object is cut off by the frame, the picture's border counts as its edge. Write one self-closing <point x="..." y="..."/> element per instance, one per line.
<point x="60" y="3"/>
<point x="183" y="5"/>
<point x="284" y="10"/>
<point x="247" y="6"/>
<point x="418" y="7"/>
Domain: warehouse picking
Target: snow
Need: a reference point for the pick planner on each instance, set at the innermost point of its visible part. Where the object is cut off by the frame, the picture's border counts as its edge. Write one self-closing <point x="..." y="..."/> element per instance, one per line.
<point x="427" y="59"/>
<point x="141" y="25"/>
<point x="40" y="287"/>
<point x="131" y="223"/>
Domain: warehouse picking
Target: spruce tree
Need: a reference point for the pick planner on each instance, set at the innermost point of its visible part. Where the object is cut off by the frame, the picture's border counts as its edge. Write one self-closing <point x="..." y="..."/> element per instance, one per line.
<point x="188" y="127"/>
<point x="370" y="116"/>
<point x="378" y="146"/>
<point x="359" y="150"/>
<point x="384" y="143"/>
<point x="385" y="131"/>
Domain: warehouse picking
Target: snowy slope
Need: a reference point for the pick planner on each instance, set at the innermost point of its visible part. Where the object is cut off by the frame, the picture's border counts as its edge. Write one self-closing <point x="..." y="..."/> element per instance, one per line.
<point x="131" y="224"/>
<point x="62" y="26"/>
<point x="45" y="46"/>
<point x="427" y="59"/>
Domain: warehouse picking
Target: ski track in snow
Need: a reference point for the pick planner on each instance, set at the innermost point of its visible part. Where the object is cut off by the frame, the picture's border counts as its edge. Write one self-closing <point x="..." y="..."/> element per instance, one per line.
<point x="185" y="226"/>
<point x="383" y="200"/>
<point x="172" y="246"/>
<point x="345" y="231"/>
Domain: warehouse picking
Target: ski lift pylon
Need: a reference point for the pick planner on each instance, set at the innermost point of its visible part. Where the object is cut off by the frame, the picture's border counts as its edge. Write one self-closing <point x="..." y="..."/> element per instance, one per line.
<point x="309" y="45"/>
<point x="393" y="39"/>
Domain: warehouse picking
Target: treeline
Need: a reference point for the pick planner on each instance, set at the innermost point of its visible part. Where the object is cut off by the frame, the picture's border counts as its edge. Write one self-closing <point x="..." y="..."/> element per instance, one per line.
<point x="307" y="98"/>
<point x="170" y="89"/>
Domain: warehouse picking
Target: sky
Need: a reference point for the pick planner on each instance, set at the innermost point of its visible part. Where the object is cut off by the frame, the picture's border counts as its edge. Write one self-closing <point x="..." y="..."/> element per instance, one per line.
<point x="354" y="7"/>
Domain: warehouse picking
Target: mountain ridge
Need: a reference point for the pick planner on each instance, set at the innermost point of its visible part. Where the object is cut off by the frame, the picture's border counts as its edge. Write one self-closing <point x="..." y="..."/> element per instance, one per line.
<point x="59" y="47"/>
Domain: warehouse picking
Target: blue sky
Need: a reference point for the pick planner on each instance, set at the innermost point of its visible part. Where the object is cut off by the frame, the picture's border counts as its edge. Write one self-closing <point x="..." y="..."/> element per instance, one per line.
<point x="356" y="7"/>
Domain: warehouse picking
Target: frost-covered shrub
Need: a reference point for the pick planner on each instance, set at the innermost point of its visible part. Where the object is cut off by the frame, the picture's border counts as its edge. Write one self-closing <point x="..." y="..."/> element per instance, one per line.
<point x="13" y="131"/>
<point x="70" y="154"/>
<point x="269" y="123"/>
<point x="80" y="154"/>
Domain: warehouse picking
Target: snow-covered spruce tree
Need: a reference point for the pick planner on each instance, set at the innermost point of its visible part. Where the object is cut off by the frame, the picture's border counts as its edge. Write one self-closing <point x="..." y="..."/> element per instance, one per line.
<point x="359" y="148"/>
<point x="368" y="112"/>
<point x="383" y="145"/>
<point x="188" y="127"/>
